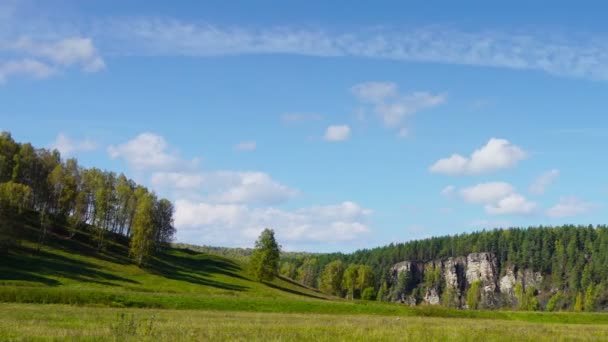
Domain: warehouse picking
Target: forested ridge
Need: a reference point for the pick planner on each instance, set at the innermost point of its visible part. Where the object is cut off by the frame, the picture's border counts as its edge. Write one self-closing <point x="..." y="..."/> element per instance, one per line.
<point x="572" y="259"/>
<point x="37" y="182"/>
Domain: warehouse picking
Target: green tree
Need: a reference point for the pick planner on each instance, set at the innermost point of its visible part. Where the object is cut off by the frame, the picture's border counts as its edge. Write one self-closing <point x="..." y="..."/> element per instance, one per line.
<point x="142" y="241"/>
<point x="330" y="281"/>
<point x="382" y="292"/>
<point x="578" y="304"/>
<point x="554" y="301"/>
<point x="365" y="277"/>
<point x="474" y="295"/>
<point x="163" y="222"/>
<point x="401" y="289"/>
<point x="590" y="298"/>
<point x="349" y="280"/>
<point x="264" y="261"/>
<point x="368" y="293"/>
<point x="307" y="273"/>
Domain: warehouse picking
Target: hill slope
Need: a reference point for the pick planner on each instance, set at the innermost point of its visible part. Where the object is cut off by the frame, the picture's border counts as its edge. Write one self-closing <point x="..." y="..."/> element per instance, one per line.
<point x="63" y="267"/>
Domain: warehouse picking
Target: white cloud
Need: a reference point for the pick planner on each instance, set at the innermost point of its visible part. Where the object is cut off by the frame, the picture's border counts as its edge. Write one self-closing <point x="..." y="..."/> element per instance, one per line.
<point x="246" y="146"/>
<point x="27" y="67"/>
<point x="497" y="154"/>
<point x="394" y="108"/>
<point x="570" y="206"/>
<point x="337" y="133"/>
<point x="67" y="146"/>
<point x="375" y="92"/>
<point x="498" y="198"/>
<point x="487" y="192"/>
<point x="512" y="204"/>
<point x="149" y="151"/>
<point x="46" y="57"/>
<point x="64" y="52"/>
<point x="227" y="186"/>
<point x="239" y="225"/>
<point x="541" y="183"/>
<point x="557" y="53"/>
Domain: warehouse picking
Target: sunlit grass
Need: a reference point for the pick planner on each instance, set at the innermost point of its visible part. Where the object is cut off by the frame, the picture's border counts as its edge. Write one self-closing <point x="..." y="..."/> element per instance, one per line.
<point x="59" y="322"/>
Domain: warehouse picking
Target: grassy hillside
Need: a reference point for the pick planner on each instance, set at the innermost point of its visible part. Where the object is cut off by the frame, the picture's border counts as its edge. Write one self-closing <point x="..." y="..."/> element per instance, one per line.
<point x="73" y="270"/>
<point x="68" y="270"/>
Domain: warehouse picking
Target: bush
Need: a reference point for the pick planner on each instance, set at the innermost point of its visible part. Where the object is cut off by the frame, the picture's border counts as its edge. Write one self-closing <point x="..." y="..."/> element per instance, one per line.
<point x="368" y="293"/>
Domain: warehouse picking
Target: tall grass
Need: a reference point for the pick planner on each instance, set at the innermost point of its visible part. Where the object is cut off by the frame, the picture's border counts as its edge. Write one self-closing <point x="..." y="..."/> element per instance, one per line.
<point x="59" y="322"/>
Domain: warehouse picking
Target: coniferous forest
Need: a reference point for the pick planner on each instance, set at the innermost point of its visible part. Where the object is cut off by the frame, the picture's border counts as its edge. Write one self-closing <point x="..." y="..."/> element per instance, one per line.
<point x="573" y="262"/>
<point x="37" y="182"/>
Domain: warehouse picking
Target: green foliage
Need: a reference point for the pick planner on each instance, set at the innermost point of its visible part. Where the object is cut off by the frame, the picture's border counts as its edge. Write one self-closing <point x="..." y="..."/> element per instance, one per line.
<point x="474" y="295"/>
<point x="142" y="240"/>
<point x="349" y="280"/>
<point x="578" y="304"/>
<point x="368" y="293"/>
<point x="554" y="302"/>
<point x="404" y="280"/>
<point x="307" y="273"/>
<point x="264" y="262"/>
<point x="38" y="180"/>
<point x="449" y="298"/>
<point x="382" y="292"/>
<point x="330" y="281"/>
<point x="590" y="298"/>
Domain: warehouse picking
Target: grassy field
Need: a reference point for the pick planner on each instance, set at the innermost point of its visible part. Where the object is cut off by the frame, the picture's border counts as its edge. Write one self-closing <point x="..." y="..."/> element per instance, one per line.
<point x="61" y="322"/>
<point x="185" y="295"/>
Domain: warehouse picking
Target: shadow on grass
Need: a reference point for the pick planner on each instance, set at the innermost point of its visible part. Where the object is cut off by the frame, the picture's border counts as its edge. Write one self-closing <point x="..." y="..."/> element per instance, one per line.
<point x="285" y="289"/>
<point x="195" y="268"/>
<point x="30" y="265"/>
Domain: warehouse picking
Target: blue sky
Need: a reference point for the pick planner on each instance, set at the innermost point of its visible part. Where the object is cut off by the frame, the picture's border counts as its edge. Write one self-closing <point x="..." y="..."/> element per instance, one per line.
<point x="340" y="125"/>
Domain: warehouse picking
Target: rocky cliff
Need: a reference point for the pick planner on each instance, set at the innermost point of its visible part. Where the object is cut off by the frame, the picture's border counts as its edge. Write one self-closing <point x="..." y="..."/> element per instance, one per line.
<point x="455" y="276"/>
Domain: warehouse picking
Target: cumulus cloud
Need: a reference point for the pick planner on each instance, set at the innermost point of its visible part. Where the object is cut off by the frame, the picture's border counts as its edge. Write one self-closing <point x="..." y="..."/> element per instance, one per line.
<point x="570" y="206"/>
<point x="67" y="146"/>
<point x="512" y="204"/>
<point x="227" y="186"/>
<point x="337" y="133"/>
<point x="497" y="154"/>
<point x="239" y="225"/>
<point x="394" y="108"/>
<point x="543" y="181"/>
<point x="149" y="151"/>
<point x="487" y="192"/>
<point x="498" y="198"/>
<point x="246" y="146"/>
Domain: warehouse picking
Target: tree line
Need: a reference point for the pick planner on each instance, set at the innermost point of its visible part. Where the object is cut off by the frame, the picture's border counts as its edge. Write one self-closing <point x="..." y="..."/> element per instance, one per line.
<point x="37" y="180"/>
<point x="572" y="259"/>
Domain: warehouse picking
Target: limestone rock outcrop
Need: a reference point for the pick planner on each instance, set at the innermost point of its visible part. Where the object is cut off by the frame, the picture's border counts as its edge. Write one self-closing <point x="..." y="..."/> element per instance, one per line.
<point x="458" y="273"/>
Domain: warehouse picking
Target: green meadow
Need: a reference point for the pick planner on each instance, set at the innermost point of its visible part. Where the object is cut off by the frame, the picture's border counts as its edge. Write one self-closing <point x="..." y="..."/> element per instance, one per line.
<point x="66" y="289"/>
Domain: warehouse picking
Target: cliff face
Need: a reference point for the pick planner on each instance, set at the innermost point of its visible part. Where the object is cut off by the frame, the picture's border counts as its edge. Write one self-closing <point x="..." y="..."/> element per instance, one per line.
<point x="456" y="275"/>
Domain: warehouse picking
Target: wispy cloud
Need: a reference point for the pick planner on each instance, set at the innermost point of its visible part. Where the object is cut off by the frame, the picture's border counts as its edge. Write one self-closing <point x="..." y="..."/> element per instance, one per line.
<point x="561" y="53"/>
<point x="394" y="108"/>
<point x="557" y="54"/>
<point x="68" y="146"/>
